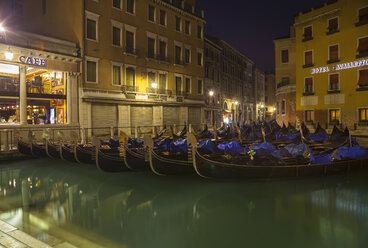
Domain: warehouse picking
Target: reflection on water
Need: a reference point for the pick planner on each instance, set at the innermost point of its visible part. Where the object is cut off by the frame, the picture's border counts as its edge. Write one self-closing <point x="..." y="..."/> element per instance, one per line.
<point x="58" y="201"/>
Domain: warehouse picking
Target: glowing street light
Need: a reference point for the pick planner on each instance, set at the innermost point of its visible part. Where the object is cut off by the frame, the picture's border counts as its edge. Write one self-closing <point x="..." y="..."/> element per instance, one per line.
<point x="236" y="103"/>
<point x="211" y="93"/>
<point x="262" y="106"/>
<point x="154" y="85"/>
<point x="2" y="29"/>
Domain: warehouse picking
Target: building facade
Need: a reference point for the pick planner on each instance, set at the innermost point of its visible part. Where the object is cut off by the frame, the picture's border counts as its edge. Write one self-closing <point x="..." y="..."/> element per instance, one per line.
<point x="285" y="78"/>
<point x="270" y="96"/>
<point x="260" y="80"/>
<point x="143" y="64"/>
<point x="332" y="64"/>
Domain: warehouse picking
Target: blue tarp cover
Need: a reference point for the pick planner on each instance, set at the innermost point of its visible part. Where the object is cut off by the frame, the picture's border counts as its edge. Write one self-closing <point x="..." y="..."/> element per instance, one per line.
<point x="355" y="152"/>
<point x="206" y="146"/>
<point x="179" y="146"/>
<point x="319" y="138"/>
<point x="162" y="144"/>
<point x="233" y="148"/>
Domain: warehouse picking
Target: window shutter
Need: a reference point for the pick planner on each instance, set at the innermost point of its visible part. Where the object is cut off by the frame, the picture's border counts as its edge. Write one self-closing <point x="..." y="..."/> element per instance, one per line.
<point x="308" y="81"/>
<point x="308" y="31"/>
<point x="334" y="78"/>
<point x="334" y="52"/>
<point x="332" y="24"/>
<point x="363" y="44"/>
<point x="308" y="58"/>
<point x="363" y="12"/>
<point x="363" y="78"/>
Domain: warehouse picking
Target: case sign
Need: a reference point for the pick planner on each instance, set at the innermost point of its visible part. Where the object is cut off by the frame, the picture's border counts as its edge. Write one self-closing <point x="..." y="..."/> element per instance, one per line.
<point x="339" y="67"/>
<point x="32" y="61"/>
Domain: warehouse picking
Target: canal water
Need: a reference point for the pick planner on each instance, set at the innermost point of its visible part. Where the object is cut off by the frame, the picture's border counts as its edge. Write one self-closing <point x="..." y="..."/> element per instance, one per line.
<point x="56" y="201"/>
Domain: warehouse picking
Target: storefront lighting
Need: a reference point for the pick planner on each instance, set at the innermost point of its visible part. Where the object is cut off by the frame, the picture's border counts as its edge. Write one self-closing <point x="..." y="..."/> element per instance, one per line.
<point x="211" y="93"/>
<point x="262" y="106"/>
<point x="9" y="56"/>
<point x="154" y="85"/>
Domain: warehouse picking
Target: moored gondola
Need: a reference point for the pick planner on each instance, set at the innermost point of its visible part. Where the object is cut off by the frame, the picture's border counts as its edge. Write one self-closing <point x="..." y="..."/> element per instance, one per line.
<point x="38" y="150"/>
<point x="84" y="154"/>
<point x="108" y="160"/>
<point x="24" y="148"/>
<point x="67" y="152"/>
<point x="135" y="159"/>
<point x="52" y="150"/>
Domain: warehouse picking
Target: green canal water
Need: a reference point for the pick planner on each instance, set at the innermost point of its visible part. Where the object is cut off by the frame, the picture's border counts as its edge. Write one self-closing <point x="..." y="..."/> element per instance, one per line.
<point x="54" y="200"/>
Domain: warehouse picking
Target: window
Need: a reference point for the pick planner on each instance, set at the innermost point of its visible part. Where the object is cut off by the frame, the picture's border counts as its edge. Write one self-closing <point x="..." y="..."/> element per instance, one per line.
<point x="363" y="115"/>
<point x="308" y="85"/>
<point x="283" y="107"/>
<point x="187" y="85"/>
<point x="200" y="87"/>
<point x="177" y="23"/>
<point x="129" y="42"/>
<point x="309" y="115"/>
<point x="92" y="71"/>
<point x="162" y="78"/>
<point x="308" y="34"/>
<point x="130" y="6"/>
<point x="333" y="52"/>
<point x="363" y="16"/>
<point x="199" y="58"/>
<point x="178" y="85"/>
<point x="334" y="116"/>
<point x="187" y="27"/>
<point x="333" y="25"/>
<point x="151" y="13"/>
<point x="151" y="76"/>
<point x="363" y="78"/>
<point x="333" y="82"/>
<point x="284" y="56"/>
<point x="151" y="48"/>
<point x="116" y="36"/>
<point x="116" y="75"/>
<point x="91" y="26"/>
<point x="162" y="50"/>
<point x="162" y="17"/>
<point x="130" y="78"/>
<point x="178" y="55"/>
<point x="363" y="47"/>
<point x="187" y="55"/>
<point x="308" y="58"/>
<point x="116" y="4"/>
<point x="199" y="32"/>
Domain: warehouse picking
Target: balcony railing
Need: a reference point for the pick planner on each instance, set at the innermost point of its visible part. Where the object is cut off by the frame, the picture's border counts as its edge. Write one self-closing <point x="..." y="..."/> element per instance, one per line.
<point x="180" y="93"/>
<point x="131" y="50"/>
<point x="163" y="58"/>
<point x="179" y="62"/>
<point x="282" y="84"/>
<point x="129" y="88"/>
<point x="159" y="91"/>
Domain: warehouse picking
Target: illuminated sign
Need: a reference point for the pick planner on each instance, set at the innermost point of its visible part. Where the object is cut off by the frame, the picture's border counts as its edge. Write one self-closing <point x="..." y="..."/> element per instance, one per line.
<point x="32" y="61"/>
<point x="339" y="67"/>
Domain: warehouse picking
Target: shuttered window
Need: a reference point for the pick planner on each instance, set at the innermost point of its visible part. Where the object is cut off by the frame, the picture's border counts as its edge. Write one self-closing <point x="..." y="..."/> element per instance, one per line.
<point x="333" y="24"/>
<point x="363" y="14"/>
<point x="162" y="81"/>
<point x="285" y="56"/>
<point x="308" y="85"/>
<point x="309" y="115"/>
<point x="334" y="81"/>
<point x="151" y="13"/>
<point x="116" y="36"/>
<point x="130" y="76"/>
<point x="163" y="17"/>
<point x="130" y="6"/>
<point x="178" y="85"/>
<point x="91" y="29"/>
<point x="308" y="32"/>
<point x="116" y="4"/>
<point x="129" y="36"/>
<point x="363" y="45"/>
<point x="200" y="87"/>
<point x="151" y="48"/>
<point x="363" y="78"/>
<point x="187" y="85"/>
<point x="116" y="75"/>
<point x="162" y="50"/>
<point x="334" y="52"/>
<point x="308" y="58"/>
<point x="177" y="23"/>
<point x="363" y="114"/>
<point x="91" y="71"/>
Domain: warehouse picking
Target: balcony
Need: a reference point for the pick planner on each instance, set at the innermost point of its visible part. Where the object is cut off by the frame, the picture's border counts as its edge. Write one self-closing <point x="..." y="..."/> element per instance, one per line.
<point x="362" y="54"/>
<point x="162" y="58"/>
<point x="129" y="88"/>
<point x="159" y="91"/>
<point x="179" y="62"/>
<point x="282" y="84"/>
<point x="131" y="51"/>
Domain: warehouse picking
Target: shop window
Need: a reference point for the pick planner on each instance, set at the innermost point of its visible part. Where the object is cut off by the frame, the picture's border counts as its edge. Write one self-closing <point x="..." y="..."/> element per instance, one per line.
<point x="151" y="13"/>
<point x="116" y="4"/>
<point x="308" y="85"/>
<point x="334" y="116"/>
<point x="363" y="115"/>
<point x="308" y="59"/>
<point x="187" y="85"/>
<point x="178" y="85"/>
<point x="187" y="55"/>
<point x="283" y="107"/>
<point x="91" y="71"/>
<point x="151" y="48"/>
<point x="130" y="78"/>
<point x="129" y="42"/>
<point x="130" y="6"/>
<point x="334" y="82"/>
<point x="309" y="116"/>
<point x="162" y="17"/>
<point x="116" y="36"/>
<point x="9" y="111"/>
<point x="333" y="25"/>
<point x="199" y="59"/>
<point x="162" y="81"/>
<point x="177" y="23"/>
<point x="308" y="33"/>
<point x="200" y="87"/>
<point x="285" y="56"/>
<point x="362" y="47"/>
<point x="162" y="50"/>
<point x="116" y="75"/>
<point x="363" y="78"/>
<point x="333" y="52"/>
<point x="199" y="32"/>
<point x="362" y="16"/>
<point x="187" y="27"/>
<point x="9" y="80"/>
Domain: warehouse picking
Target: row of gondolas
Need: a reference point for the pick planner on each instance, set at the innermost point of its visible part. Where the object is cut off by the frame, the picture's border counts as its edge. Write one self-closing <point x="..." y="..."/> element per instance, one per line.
<point x="263" y="150"/>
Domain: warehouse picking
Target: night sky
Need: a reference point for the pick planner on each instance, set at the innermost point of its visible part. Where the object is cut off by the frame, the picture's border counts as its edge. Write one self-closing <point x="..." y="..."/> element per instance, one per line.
<point x="251" y="26"/>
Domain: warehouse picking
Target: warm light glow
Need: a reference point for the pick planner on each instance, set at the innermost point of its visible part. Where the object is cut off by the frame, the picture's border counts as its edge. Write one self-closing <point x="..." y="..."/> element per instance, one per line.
<point x="226" y="120"/>
<point x="211" y="93"/>
<point x="236" y="103"/>
<point x="9" y="56"/>
<point x="154" y="85"/>
<point x="2" y="29"/>
<point x="262" y="106"/>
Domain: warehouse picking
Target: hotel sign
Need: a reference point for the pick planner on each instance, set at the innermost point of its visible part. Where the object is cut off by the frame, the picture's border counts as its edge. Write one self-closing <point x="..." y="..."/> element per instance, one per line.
<point x="32" y="61"/>
<point x="339" y="67"/>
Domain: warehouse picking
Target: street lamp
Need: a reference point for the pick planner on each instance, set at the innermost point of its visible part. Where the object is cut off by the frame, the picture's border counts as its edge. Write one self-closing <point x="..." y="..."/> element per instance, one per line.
<point x="154" y="85"/>
<point x="2" y="29"/>
<point x="236" y="102"/>
<point x="211" y="93"/>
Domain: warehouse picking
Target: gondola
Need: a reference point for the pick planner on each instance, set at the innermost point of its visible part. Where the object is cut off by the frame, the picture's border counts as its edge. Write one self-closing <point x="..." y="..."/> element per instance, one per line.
<point x="24" y="148"/>
<point x="38" y="150"/>
<point x="162" y="165"/>
<point x="208" y="168"/>
<point x="135" y="159"/>
<point x="84" y="154"/>
<point x="52" y="150"/>
<point x="108" y="160"/>
<point x="67" y="152"/>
